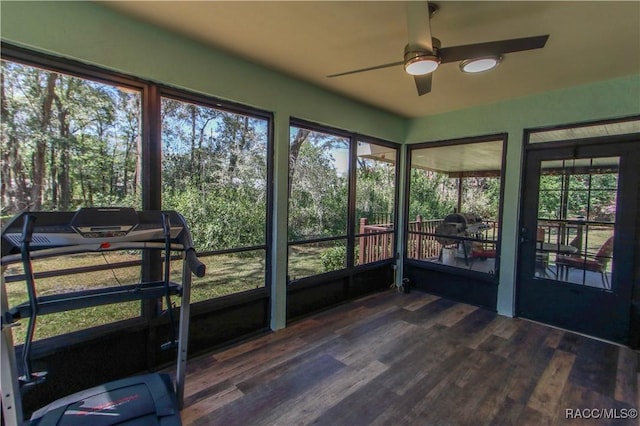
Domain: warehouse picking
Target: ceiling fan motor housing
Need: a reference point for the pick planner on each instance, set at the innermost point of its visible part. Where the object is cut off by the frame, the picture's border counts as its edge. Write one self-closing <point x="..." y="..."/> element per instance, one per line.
<point x="421" y="61"/>
<point x="414" y="51"/>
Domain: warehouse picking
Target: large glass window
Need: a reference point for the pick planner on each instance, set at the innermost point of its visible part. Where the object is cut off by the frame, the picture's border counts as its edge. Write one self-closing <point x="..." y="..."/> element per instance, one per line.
<point x="342" y="201"/>
<point x="69" y="142"/>
<point x="375" y="202"/>
<point x="318" y="202"/>
<point x="454" y="203"/>
<point x="214" y="171"/>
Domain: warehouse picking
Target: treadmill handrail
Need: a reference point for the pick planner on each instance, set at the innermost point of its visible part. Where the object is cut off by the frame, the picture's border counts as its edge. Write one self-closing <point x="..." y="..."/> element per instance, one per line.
<point x="86" y="248"/>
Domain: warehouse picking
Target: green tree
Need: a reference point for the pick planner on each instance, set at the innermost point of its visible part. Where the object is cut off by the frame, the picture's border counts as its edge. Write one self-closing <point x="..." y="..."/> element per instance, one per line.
<point x="433" y="195"/>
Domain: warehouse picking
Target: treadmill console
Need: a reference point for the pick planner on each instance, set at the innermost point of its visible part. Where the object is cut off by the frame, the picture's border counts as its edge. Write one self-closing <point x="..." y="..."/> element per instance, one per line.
<point x="96" y="222"/>
<point x="90" y="225"/>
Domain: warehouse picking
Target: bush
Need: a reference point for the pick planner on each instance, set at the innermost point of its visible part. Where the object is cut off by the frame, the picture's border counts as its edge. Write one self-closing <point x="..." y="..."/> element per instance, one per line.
<point x="334" y="258"/>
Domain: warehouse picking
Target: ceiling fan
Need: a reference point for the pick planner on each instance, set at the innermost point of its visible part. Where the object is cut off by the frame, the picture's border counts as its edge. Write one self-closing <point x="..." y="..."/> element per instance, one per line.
<point x="423" y="54"/>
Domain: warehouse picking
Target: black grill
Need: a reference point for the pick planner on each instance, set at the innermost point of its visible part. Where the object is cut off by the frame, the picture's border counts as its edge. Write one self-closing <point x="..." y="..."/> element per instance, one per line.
<point x="458" y="225"/>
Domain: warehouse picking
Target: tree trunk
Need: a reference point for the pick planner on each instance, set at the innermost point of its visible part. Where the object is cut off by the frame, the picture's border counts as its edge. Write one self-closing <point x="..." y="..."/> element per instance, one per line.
<point x="64" y="180"/>
<point x="294" y="151"/>
<point x="14" y="191"/>
<point x="53" y="175"/>
<point x="38" y="158"/>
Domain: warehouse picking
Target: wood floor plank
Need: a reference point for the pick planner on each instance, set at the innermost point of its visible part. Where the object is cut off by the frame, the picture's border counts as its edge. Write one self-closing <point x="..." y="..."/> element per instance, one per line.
<point x="410" y="359"/>
<point x="362" y="407"/>
<point x="427" y="315"/>
<point x="554" y="338"/>
<point x="420" y="302"/>
<point x="263" y="403"/>
<point x="376" y="343"/>
<point x="247" y="362"/>
<point x="478" y="338"/>
<point x="595" y="366"/>
<point x="313" y="404"/>
<point x="547" y="393"/>
<point x="255" y="344"/>
<point x="628" y="370"/>
<point x="455" y="314"/>
<point x="524" y="379"/>
<point x="201" y="409"/>
<point x="506" y="327"/>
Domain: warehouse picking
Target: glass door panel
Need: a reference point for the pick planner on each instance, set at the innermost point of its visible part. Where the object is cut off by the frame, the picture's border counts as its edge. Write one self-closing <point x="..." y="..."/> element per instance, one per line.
<point x="578" y="237"/>
<point x="576" y="220"/>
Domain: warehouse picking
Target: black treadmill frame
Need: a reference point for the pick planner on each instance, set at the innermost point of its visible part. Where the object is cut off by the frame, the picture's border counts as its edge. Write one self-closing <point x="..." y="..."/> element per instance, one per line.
<point x="171" y="234"/>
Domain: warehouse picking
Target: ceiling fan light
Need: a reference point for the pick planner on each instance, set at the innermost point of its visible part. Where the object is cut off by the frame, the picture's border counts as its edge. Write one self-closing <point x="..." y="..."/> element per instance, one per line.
<point x="480" y="64"/>
<point x="421" y="64"/>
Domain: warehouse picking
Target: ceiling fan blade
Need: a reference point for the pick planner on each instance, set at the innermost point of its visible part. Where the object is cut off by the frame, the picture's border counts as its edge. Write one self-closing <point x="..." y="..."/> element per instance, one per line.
<point x="423" y="83"/>
<point x="470" y="51"/>
<point x="419" y="25"/>
<point x="377" y="67"/>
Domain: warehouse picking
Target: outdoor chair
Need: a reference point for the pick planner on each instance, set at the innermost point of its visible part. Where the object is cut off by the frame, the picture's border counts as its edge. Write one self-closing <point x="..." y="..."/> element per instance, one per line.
<point x="542" y="258"/>
<point x="597" y="263"/>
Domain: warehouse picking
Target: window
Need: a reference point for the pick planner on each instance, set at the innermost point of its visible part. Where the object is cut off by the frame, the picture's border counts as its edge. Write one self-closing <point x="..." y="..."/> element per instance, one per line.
<point x="576" y="220"/>
<point x="375" y="202"/>
<point x="214" y="171"/>
<point x="69" y="142"/>
<point x="454" y="203"/>
<point x="342" y="200"/>
<point x="72" y="136"/>
<point x="318" y="202"/>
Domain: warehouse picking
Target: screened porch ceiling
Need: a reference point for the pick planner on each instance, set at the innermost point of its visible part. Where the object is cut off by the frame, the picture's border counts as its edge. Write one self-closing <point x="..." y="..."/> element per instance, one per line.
<point x="485" y="158"/>
<point x="589" y="41"/>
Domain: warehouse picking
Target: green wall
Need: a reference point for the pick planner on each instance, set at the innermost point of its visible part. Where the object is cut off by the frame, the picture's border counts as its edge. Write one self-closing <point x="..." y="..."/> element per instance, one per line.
<point x="606" y="99"/>
<point x="92" y="34"/>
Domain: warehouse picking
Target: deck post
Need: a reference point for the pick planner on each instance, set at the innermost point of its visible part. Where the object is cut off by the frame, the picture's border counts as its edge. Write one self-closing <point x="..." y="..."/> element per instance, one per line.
<point x="363" y="242"/>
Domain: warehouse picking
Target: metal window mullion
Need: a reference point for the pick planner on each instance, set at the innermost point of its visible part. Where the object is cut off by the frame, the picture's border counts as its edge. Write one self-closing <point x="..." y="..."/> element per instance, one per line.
<point x="151" y="186"/>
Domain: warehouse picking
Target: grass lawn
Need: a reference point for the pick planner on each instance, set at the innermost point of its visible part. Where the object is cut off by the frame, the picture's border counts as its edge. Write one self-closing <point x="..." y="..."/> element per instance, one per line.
<point x="226" y="274"/>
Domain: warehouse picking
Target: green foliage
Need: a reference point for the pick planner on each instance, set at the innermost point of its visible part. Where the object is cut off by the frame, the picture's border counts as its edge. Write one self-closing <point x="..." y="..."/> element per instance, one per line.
<point x="481" y="195"/>
<point x="334" y="258"/>
<point x="214" y="173"/>
<point x="375" y="191"/>
<point x="67" y="142"/>
<point x="591" y="196"/>
<point x="221" y="218"/>
<point x="318" y="196"/>
<point x="433" y="195"/>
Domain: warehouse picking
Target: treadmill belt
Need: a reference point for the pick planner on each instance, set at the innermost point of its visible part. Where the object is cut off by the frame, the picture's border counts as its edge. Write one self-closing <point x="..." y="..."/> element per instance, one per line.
<point x="141" y="401"/>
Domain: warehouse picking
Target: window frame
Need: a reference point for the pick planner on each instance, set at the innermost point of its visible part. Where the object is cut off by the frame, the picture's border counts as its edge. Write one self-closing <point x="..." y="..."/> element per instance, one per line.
<point x="483" y="276"/>
<point x="150" y="181"/>
<point x="351" y="234"/>
<point x="234" y="108"/>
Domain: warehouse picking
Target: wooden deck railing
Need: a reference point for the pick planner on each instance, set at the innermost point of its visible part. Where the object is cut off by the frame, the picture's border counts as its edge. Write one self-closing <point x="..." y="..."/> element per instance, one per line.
<point x="421" y="241"/>
<point x="376" y="246"/>
<point x="420" y="246"/>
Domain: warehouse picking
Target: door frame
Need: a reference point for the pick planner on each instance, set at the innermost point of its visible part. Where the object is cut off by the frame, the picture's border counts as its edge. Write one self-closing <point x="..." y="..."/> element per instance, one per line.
<point x="625" y="284"/>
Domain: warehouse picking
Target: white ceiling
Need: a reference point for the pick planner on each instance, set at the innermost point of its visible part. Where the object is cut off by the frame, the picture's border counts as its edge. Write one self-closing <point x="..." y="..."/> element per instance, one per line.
<point x="589" y="41"/>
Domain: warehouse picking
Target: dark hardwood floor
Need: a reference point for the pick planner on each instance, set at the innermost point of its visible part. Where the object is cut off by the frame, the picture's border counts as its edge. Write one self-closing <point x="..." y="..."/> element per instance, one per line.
<point x="414" y="359"/>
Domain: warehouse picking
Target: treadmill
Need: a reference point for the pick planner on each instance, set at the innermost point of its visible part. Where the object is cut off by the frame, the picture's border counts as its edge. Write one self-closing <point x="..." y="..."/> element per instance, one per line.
<point x="151" y="399"/>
